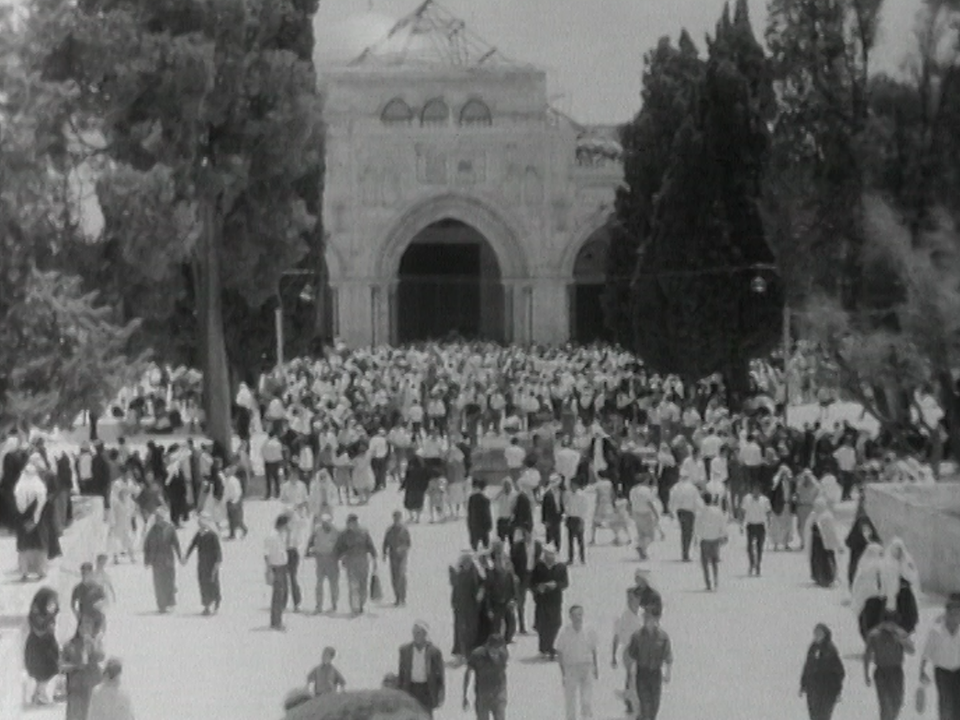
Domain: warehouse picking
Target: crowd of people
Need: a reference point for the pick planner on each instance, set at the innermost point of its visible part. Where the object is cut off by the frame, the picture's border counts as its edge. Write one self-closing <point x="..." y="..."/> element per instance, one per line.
<point x="536" y="451"/>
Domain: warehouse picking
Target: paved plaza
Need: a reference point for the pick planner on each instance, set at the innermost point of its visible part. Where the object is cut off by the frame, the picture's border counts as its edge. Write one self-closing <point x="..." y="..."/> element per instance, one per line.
<point x="738" y="652"/>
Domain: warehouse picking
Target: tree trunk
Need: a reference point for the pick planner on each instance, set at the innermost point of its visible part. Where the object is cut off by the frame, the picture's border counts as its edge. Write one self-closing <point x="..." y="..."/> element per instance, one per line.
<point x="94" y="419"/>
<point x="950" y="405"/>
<point x="216" y="375"/>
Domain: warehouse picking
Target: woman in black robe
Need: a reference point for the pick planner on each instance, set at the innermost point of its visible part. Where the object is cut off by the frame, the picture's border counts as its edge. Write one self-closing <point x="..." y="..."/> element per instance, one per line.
<point x="548" y="581"/>
<point x="41" y="654"/>
<point x="414" y="486"/>
<point x="466" y="584"/>
<point x="862" y="533"/>
<point x="823" y="674"/>
<point x="209" y="556"/>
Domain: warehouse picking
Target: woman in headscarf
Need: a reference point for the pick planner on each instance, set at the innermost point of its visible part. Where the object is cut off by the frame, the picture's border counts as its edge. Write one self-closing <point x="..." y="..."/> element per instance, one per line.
<point x="823" y="674"/>
<point x="901" y="580"/>
<point x="209" y="557"/>
<point x="781" y="520"/>
<point x="41" y="654"/>
<point x="830" y="490"/>
<point x="80" y="663"/>
<point x="120" y="537"/>
<point x="868" y="595"/>
<point x="33" y="531"/>
<point x="806" y="491"/>
<point x="862" y="533"/>
<point x="823" y="544"/>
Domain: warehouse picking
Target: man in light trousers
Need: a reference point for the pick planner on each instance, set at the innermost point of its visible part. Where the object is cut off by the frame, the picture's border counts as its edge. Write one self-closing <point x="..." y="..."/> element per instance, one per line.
<point x="323" y="548"/>
<point x="577" y="652"/>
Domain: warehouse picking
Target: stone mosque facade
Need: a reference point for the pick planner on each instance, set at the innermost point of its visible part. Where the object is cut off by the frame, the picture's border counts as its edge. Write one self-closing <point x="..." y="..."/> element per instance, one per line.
<point x="456" y="200"/>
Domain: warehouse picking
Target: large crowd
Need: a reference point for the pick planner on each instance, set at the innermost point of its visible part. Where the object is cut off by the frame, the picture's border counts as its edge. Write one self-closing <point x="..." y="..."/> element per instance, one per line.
<point x="538" y="451"/>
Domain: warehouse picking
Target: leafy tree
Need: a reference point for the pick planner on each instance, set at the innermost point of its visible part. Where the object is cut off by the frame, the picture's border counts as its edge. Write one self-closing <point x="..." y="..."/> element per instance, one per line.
<point x="697" y="309"/>
<point x="209" y="115"/>
<point x="670" y="80"/>
<point x="61" y="351"/>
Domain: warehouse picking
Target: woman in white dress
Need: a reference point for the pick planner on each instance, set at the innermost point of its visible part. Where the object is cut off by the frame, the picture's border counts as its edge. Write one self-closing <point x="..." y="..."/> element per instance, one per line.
<point x="456" y="480"/>
<point x="121" y="539"/>
<point x="362" y="478"/>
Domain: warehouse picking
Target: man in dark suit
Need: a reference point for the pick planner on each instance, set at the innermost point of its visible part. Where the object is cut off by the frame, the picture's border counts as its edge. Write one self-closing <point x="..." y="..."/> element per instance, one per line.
<point x="421" y="672"/>
<point x="479" y="520"/>
<point x="551" y="511"/>
<point x="525" y="552"/>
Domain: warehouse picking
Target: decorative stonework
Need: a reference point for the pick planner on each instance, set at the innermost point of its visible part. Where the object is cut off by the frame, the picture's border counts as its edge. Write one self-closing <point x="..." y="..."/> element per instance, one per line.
<point x="431" y="165"/>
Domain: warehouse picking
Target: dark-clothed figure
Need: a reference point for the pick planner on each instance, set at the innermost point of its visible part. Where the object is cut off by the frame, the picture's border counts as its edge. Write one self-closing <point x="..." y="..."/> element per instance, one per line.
<point x="823" y="673"/>
<point x="651" y="653"/>
<point x="88" y="599"/>
<point x="355" y="549"/>
<point x="479" y="519"/>
<point x="886" y="645"/>
<point x="525" y="553"/>
<point x="396" y="548"/>
<point x="548" y="581"/>
<point x="499" y="597"/>
<point x="161" y="551"/>
<point x="323" y="547"/>
<point x="41" y="653"/>
<point x="551" y="512"/>
<point x="488" y="664"/>
<point x="421" y="673"/>
<point x="80" y="663"/>
<point x="209" y="557"/>
<point x="466" y="595"/>
<point x="862" y="533"/>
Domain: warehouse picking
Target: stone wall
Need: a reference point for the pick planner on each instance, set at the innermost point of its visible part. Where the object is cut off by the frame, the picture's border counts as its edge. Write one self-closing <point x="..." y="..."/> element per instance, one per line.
<point x="927" y="518"/>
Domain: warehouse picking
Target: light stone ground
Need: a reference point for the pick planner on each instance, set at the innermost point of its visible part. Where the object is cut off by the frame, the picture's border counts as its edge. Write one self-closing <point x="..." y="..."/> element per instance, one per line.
<point x="738" y="651"/>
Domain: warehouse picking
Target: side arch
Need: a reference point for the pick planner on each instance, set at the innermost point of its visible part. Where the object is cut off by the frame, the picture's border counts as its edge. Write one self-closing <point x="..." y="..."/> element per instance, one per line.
<point x="502" y="234"/>
<point x="584" y="232"/>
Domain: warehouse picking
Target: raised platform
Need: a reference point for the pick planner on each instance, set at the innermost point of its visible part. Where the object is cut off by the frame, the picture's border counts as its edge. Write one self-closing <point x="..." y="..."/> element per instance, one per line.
<point x="927" y="518"/>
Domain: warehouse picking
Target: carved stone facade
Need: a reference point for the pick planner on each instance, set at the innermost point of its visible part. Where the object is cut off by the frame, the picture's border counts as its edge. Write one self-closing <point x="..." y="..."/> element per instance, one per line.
<point x="513" y="174"/>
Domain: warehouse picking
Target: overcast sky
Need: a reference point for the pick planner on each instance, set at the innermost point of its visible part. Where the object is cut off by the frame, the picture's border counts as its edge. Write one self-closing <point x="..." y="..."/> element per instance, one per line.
<point x="592" y="50"/>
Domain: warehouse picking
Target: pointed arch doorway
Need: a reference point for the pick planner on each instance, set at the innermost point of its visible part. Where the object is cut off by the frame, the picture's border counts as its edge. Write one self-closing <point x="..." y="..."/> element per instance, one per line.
<point x="450" y="285"/>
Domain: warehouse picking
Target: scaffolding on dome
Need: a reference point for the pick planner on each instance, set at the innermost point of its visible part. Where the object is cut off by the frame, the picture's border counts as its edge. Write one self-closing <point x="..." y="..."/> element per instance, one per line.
<point x="431" y="35"/>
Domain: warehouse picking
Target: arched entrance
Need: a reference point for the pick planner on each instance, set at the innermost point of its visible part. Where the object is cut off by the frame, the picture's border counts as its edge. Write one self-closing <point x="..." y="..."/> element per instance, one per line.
<point x="589" y="280"/>
<point x="450" y="284"/>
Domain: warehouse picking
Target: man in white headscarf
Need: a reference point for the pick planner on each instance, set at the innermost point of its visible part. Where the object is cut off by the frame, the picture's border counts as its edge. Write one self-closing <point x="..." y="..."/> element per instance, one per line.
<point x="33" y="535"/>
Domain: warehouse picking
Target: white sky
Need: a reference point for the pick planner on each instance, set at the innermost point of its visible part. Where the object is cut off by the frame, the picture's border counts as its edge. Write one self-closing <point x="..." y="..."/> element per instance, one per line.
<point x="591" y="49"/>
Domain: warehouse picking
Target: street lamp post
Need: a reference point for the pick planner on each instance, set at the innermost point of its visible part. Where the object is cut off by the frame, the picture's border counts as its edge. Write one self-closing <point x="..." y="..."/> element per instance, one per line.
<point x="278" y="313"/>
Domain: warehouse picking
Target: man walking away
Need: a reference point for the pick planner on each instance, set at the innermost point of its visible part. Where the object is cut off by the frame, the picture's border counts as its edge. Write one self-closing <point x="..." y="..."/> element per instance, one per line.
<point x="275" y="555"/>
<point x="548" y="581"/>
<point x="755" y="510"/>
<point x="479" y="519"/>
<point x="623" y="631"/>
<point x="525" y="553"/>
<point x="886" y="645"/>
<point x="652" y="656"/>
<point x="684" y="503"/>
<point x="421" y="673"/>
<point x="272" y="454"/>
<point x="488" y="664"/>
<point x="323" y="546"/>
<point x="577" y="507"/>
<point x="233" y="496"/>
<point x="551" y="510"/>
<point x="711" y="528"/>
<point x="577" y="653"/>
<point x="396" y="547"/>
<point x="942" y="650"/>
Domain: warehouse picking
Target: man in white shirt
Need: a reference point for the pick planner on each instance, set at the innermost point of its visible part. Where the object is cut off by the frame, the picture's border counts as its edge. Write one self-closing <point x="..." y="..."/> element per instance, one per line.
<point x="710" y="449"/>
<point x="751" y="458"/>
<point x="293" y="492"/>
<point x="577" y="507"/>
<point x="379" y="450"/>
<point x="275" y="555"/>
<point x="514" y="455"/>
<point x="567" y="460"/>
<point x="272" y="454"/>
<point x="711" y="528"/>
<point x="846" y="457"/>
<point x="623" y="629"/>
<point x="942" y="651"/>
<point x="576" y="648"/>
<point x="233" y="497"/>
<point x="755" y="513"/>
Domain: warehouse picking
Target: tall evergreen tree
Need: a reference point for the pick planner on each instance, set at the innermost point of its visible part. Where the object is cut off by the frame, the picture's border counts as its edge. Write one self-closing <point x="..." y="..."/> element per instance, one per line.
<point x="209" y="114"/>
<point x="670" y="80"/>
<point x="697" y="310"/>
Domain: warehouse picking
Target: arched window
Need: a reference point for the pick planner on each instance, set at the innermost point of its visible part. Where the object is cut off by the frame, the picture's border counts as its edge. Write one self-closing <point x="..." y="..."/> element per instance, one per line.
<point x="397" y="112"/>
<point x="435" y="112"/>
<point x="476" y="112"/>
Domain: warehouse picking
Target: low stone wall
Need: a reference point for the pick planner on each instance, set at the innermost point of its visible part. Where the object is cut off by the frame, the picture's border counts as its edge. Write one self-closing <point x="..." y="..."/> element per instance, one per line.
<point x="927" y="518"/>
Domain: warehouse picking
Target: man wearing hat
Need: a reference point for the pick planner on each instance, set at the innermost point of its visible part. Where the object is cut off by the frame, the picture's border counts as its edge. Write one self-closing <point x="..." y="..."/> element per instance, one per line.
<point x="421" y="673"/>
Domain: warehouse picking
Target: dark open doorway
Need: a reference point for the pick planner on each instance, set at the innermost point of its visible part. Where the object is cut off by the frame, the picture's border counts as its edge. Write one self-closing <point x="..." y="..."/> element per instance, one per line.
<point x="449" y="286"/>
<point x="589" y="281"/>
